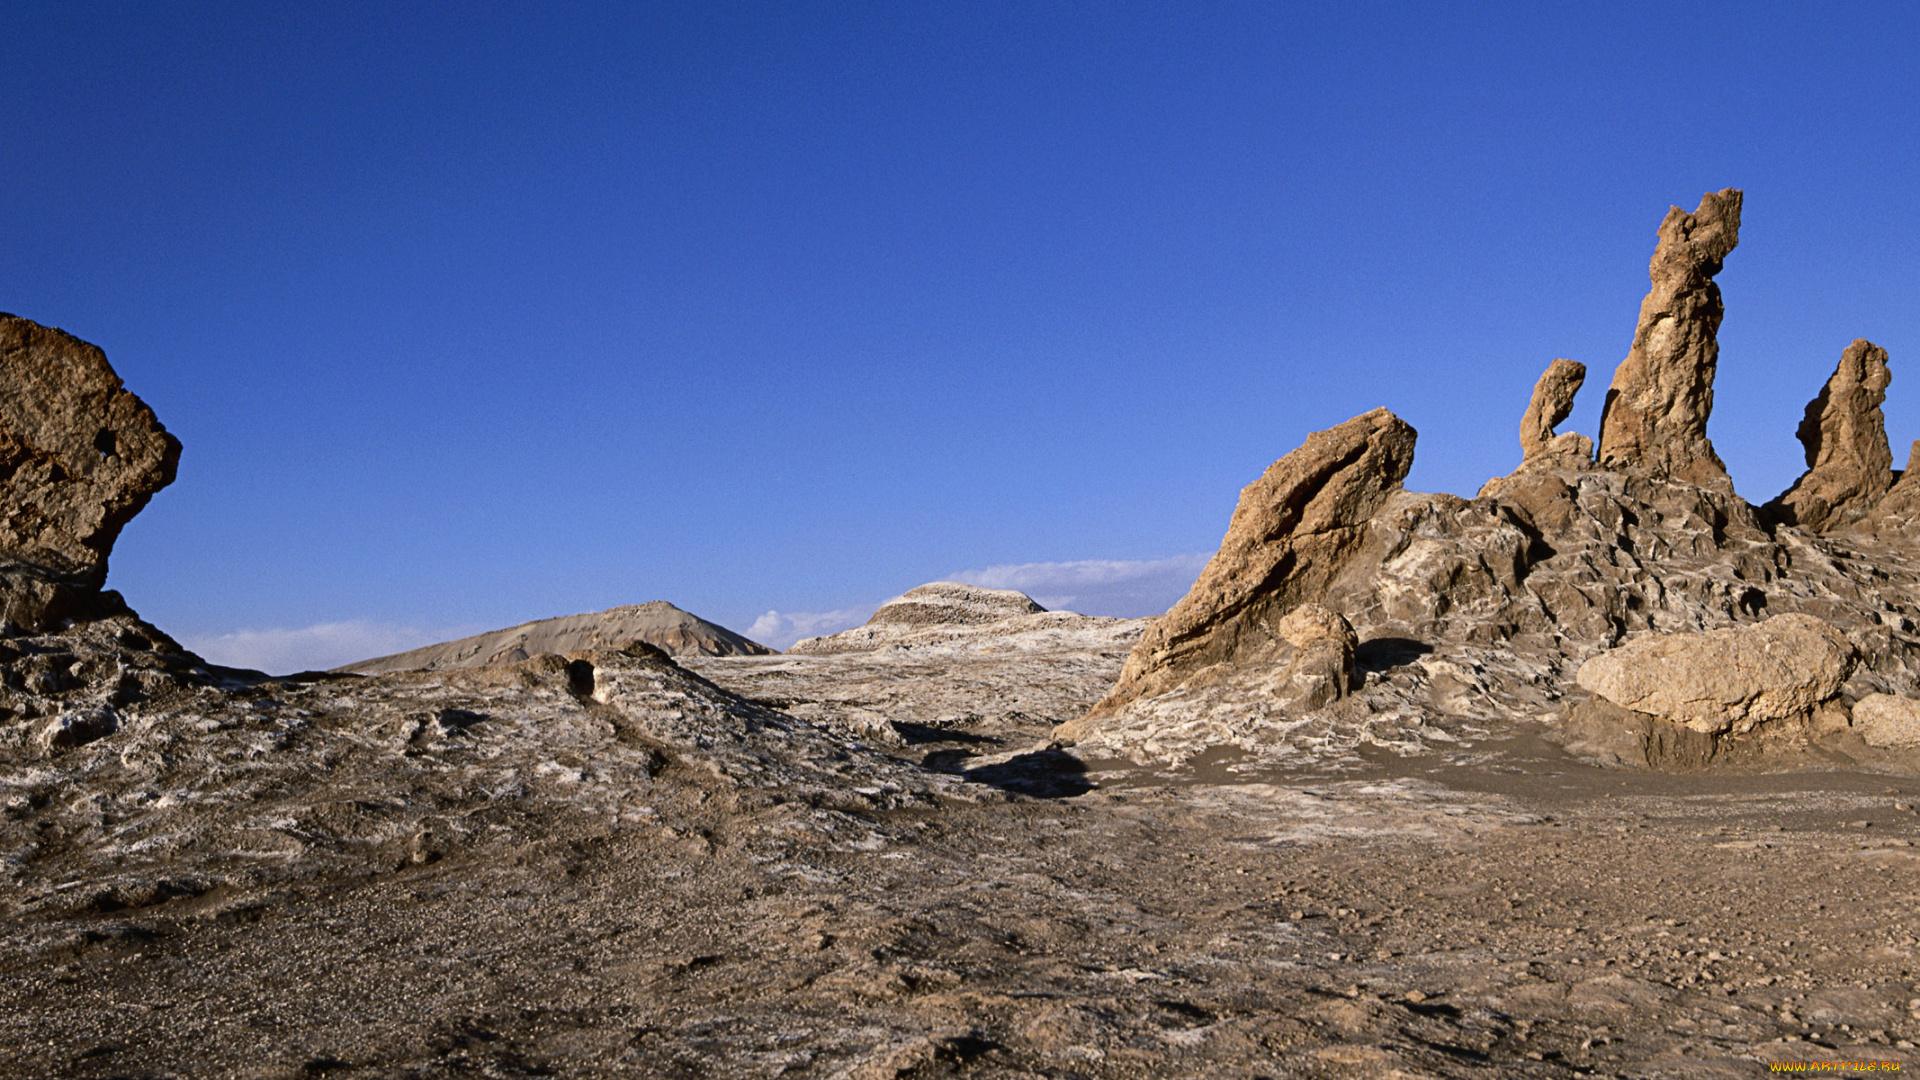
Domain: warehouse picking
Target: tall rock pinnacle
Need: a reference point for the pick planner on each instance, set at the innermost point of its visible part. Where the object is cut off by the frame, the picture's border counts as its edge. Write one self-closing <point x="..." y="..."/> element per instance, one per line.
<point x="1849" y="464"/>
<point x="1655" y="417"/>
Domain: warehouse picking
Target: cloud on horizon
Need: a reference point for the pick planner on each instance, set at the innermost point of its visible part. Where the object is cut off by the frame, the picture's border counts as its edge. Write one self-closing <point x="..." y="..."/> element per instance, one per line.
<point x="1127" y="588"/>
<point x="315" y="648"/>
<point x="780" y="629"/>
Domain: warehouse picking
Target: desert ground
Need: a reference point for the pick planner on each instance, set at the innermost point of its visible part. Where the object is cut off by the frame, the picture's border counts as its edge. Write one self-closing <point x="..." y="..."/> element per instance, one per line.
<point x="1494" y="908"/>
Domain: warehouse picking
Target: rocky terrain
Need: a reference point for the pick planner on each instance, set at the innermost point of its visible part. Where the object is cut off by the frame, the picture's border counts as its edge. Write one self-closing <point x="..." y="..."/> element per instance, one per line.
<point x="1605" y="771"/>
<point x="658" y="623"/>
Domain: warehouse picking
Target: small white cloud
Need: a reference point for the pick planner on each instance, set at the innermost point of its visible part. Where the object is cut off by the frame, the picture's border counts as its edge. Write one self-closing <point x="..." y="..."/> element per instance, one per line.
<point x="314" y="648"/>
<point x="1127" y="588"/>
<point x="780" y="629"/>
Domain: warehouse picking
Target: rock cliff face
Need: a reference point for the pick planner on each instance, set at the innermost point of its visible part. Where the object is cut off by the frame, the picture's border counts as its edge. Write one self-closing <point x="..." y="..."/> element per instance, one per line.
<point x="1470" y="613"/>
<point x="1655" y="417"/>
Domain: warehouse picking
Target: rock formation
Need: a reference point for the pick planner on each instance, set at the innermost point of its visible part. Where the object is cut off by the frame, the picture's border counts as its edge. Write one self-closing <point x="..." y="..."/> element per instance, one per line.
<point x="1849" y="465"/>
<point x="1655" y="417"/>
<point x="657" y="623"/>
<point x="79" y="455"/>
<point x="1470" y="613"/>
<point x="1729" y="679"/>
<point x="1293" y="532"/>
<point x="1552" y="403"/>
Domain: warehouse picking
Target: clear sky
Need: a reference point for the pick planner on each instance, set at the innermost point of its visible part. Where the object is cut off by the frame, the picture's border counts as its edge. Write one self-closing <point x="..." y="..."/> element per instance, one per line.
<point x="469" y="314"/>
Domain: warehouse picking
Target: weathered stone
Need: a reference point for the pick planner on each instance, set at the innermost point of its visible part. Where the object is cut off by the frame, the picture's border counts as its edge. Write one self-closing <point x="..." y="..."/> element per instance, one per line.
<point x="1655" y="417"/>
<point x="79" y="454"/>
<point x="1896" y="516"/>
<point x="1552" y="403"/>
<point x="1322" y="667"/>
<point x="1886" y="720"/>
<point x="1728" y="679"/>
<point x="79" y="727"/>
<point x="1295" y="528"/>
<point x="1849" y="464"/>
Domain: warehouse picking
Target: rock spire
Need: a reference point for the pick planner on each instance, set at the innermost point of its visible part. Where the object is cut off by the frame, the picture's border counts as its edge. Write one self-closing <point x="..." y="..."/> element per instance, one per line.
<point x="1655" y="417"/>
<point x="1849" y="464"/>
<point x="1552" y="403"/>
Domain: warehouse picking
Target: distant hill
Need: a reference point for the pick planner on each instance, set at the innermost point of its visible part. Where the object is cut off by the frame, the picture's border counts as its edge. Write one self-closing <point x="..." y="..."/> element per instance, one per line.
<point x="658" y="623"/>
<point x="945" y="616"/>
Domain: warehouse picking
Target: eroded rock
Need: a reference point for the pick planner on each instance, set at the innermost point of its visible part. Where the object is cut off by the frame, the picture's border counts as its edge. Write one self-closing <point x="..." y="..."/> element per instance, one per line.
<point x="1849" y="464"/>
<point x="1552" y="403"/>
<point x="1293" y="532"/>
<point x="79" y="454"/>
<point x="1887" y="720"/>
<point x="1322" y="666"/>
<point x="1729" y="679"/>
<point x="1655" y="417"/>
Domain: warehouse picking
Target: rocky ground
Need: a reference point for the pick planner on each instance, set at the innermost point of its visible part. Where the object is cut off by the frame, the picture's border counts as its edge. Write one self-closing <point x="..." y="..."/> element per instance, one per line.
<point x="521" y="879"/>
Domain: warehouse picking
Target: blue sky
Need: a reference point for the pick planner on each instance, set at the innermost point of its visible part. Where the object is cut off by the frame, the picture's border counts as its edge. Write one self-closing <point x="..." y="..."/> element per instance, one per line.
<point x="470" y="314"/>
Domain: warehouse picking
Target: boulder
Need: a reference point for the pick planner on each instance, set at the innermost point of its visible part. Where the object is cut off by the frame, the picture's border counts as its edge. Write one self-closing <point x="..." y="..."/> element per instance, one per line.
<point x="1849" y="464"/>
<point x="79" y="454"/>
<point x="1655" y="416"/>
<point x="1294" y="530"/>
<point x="1729" y="679"/>
<point x="1322" y="668"/>
<point x="1552" y="403"/>
<point x="1886" y="720"/>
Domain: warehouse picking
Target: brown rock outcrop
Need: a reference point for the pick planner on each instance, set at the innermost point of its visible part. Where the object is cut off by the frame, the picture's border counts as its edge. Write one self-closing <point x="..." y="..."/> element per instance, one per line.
<point x="79" y="454"/>
<point x="1293" y="531"/>
<point x="1849" y="464"/>
<point x="1729" y="679"/>
<point x="1552" y="403"/>
<point x="1655" y="417"/>
<point x="1470" y="612"/>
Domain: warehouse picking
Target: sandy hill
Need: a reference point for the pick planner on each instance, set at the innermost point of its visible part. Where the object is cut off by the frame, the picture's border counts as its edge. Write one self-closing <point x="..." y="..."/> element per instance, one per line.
<point x="676" y="632"/>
